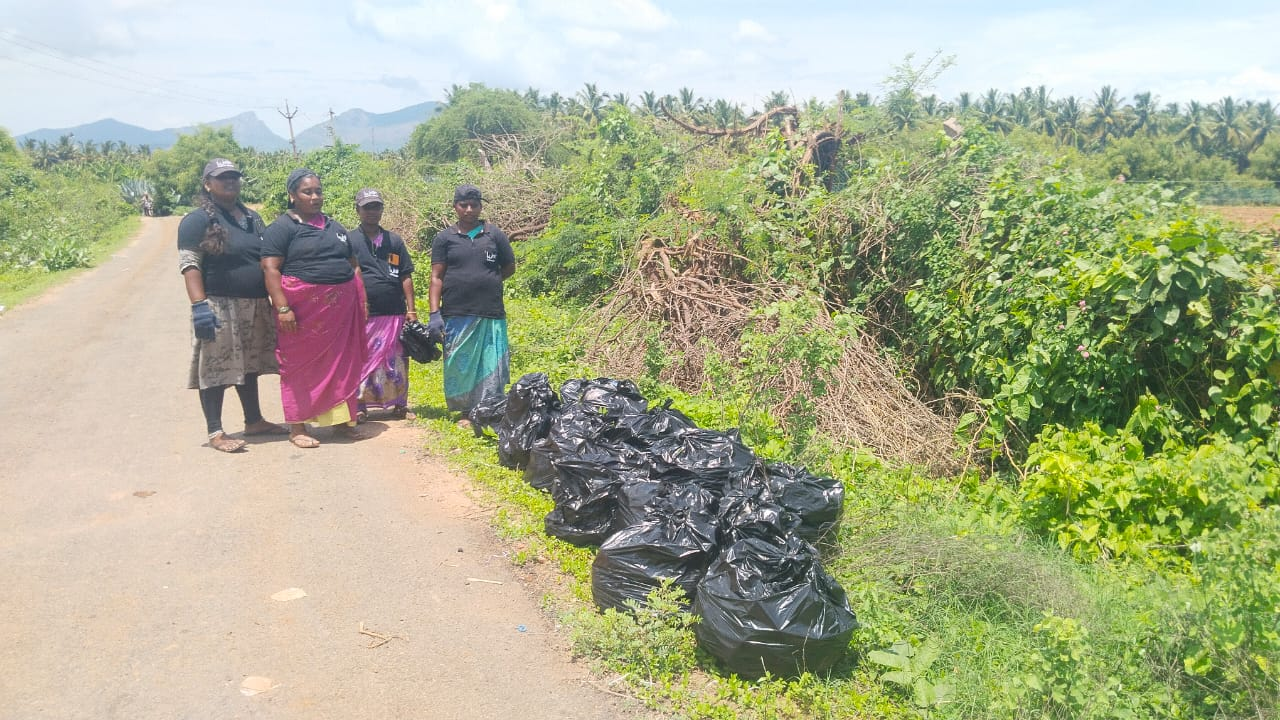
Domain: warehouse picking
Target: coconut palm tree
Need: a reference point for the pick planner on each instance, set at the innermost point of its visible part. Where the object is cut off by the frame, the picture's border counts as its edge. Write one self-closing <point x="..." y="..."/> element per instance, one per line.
<point x="688" y="100"/>
<point x="592" y="102"/>
<point x="1229" y="132"/>
<point x="1069" y="117"/>
<point x="1144" y="119"/>
<point x="555" y="103"/>
<point x="963" y="103"/>
<point x="1264" y="122"/>
<point x="649" y="102"/>
<point x="777" y="98"/>
<point x="1195" y="129"/>
<point x="724" y="114"/>
<point x="993" y="111"/>
<point x="1105" y="119"/>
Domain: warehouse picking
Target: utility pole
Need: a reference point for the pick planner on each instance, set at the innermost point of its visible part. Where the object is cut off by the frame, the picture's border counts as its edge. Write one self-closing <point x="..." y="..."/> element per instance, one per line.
<point x="288" y="114"/>
<point x="333" y="135"/>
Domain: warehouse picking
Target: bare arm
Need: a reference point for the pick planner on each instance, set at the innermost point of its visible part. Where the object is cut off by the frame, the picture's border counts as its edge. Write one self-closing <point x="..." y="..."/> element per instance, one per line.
<point x="194" y="281"/>
<point x="410" y="301"/>
<point x="437" y="286"/>
<point x="275" y="290"/>
<point x="508" y="270"/>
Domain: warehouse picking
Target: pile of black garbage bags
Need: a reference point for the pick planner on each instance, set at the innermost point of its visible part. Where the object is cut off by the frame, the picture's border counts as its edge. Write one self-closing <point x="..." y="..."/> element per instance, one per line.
<point x="665" y="499"/>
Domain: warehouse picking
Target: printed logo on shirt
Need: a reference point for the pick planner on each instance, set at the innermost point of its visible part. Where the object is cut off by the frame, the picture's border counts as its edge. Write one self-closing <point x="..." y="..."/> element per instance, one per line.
<point x="491" y="256"/>
<point x="342" y="237"/>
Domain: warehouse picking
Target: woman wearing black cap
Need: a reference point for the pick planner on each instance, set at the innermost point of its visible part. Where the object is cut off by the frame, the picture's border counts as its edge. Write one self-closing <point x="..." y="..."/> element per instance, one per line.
<point x="314" y="282"/>
<point x="387" y="271"/>
<point x="469" y="261"/>
<point x="219" y="247"/>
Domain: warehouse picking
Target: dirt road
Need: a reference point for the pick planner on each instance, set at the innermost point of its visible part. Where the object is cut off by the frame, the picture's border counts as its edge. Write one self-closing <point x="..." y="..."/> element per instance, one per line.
<point x="139" y="565"/>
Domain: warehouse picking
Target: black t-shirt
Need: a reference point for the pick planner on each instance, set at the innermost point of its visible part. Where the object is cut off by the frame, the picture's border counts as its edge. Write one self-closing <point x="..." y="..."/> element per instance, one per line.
<point x="384" y="269"/>
<point x="314" y="255"/>
<point x="473" y="271"/>
<point x="236" y="272"/>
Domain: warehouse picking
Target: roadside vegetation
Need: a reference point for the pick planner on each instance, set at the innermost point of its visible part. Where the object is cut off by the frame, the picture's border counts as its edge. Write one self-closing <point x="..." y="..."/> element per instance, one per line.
<point x="1051" y="395"/>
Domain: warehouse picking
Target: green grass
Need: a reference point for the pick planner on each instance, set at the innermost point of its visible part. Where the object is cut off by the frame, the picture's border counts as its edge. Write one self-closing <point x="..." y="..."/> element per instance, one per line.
<point x="20" y="286"/>
<point x="1019" y="628"/>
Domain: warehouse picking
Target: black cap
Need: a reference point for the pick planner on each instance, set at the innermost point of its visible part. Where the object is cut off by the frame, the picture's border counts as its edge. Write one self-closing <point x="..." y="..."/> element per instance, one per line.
<point x="368" y="195"/>
<point x="467" y="192"/>
<point x="296" y="177"/>
<point x="220" y="166"/>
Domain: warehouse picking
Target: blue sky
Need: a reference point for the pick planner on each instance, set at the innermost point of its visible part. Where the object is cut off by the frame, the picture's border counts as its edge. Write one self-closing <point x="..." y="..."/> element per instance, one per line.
<point x="164" y="63"/>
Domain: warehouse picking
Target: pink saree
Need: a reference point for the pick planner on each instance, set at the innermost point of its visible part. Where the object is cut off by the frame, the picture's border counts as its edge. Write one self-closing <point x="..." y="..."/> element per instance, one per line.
<point x="320" y="363"/>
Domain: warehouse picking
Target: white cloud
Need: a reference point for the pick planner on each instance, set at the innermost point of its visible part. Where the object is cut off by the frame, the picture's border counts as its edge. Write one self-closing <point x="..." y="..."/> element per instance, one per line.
<point x="592" y="38"/>
<point x="752" y="30"/>
<point x="636" y="15"/>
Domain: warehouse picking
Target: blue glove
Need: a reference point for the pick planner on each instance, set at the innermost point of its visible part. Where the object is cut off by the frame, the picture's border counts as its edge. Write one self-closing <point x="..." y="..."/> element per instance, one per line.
<point x="203" y="320"/>
<point x="435" y="325"/>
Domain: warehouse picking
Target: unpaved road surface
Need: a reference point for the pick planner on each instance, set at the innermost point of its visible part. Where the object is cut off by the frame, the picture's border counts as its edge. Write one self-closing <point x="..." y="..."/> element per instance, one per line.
<point x="138" y="565"/>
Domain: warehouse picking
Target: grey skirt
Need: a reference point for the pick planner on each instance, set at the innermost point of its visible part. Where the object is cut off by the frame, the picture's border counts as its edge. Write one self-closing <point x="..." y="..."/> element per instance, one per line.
<point x="245" y="344"/>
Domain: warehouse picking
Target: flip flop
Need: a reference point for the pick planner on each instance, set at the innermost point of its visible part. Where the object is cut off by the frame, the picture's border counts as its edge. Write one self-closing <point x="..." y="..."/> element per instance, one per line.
<point x="225" y="443"/>
<point x="304" y="441"/>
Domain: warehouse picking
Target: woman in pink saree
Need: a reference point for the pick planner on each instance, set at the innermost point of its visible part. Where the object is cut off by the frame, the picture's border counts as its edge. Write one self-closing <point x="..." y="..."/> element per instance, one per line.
<point x="314" y="282"/>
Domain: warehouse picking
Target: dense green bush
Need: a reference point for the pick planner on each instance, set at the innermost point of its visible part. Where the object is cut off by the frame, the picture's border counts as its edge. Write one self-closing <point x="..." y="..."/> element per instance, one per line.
<point x="177" y="172"/>
<point x="49" y="220"/>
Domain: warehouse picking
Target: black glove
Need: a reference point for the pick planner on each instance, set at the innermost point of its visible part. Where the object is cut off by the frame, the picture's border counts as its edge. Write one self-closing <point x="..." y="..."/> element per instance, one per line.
<point x="435" y="325"/>
<point x="203" y="320"/>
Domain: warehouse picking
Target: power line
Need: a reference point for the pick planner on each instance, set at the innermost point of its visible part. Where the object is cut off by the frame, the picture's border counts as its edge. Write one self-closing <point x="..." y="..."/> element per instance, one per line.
<point x="113" y="71"/>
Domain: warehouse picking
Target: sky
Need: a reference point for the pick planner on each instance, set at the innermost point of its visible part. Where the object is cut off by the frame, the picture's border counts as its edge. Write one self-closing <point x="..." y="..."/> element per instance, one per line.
<point x="165" y="63"/>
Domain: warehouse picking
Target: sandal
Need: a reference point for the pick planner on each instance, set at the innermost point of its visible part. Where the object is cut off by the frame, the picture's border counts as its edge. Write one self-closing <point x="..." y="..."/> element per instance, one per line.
<point x="402" y="413"/>
<point x="303" y="441"/>
<point x="225" y="443"/>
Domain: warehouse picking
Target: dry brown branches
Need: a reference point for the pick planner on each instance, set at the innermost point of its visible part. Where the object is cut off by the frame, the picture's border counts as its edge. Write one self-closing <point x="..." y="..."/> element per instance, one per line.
<point x="685" y="290"/>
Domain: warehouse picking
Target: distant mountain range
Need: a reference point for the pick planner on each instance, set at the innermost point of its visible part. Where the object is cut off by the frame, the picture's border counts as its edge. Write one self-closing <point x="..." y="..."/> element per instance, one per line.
<point x="371" y="131"/>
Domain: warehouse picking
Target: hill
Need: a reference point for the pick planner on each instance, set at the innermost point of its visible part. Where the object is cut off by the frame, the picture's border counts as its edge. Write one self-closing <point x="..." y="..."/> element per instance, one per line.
<point x="371" y="131"/>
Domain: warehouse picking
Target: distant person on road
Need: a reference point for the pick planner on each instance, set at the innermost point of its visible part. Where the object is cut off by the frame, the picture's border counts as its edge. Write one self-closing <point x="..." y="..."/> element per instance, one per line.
<point x="469" y="262"/>
<point x="219" y="252"/>
<point x="387" y="271"/>
<point x="148" y="206"/>
<point x="314" y="281"/>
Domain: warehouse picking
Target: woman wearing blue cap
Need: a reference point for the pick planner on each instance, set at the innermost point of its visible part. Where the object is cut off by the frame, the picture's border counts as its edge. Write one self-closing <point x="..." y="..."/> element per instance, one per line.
<point x="469" y="261"/>
<point x="219" y="246"/>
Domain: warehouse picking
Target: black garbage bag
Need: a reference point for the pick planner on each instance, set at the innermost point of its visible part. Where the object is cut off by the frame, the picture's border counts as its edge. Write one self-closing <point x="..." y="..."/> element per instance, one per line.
<point x="643" y="500"/>
<point x="710" y="458"/>
<point x="605" y="396"/>
<point x="540" y="472"/>
<point x="419" y="343"/>
<point x="769" y="606"/>
<point x="643" y="430"/>
<point x="583" y="492"/>
<point x="487" y="414"/>
<point x="575" y="425"/>
<point x="531" y="405"/>
<point x="675" y="545"/>
<point x="588" y="474"/>
<point x="632" y="500"/>
<point x="817" y="501"/>
<point x="749" y="509"/>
